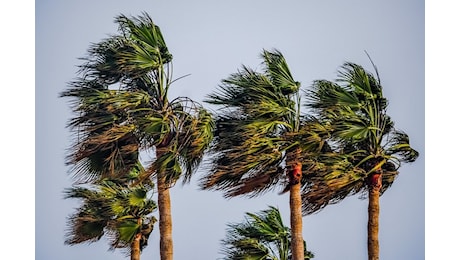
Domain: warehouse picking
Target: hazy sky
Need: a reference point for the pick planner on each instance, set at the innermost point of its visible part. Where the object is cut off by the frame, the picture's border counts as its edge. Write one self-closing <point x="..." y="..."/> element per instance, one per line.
<point x="210" y="40"/>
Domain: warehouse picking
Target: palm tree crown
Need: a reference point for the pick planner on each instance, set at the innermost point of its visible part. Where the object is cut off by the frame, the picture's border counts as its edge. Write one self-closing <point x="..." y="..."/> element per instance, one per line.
<point x="114" y="210"/>
<point x="122" y="105"/>
<point x="261" y="236"/>
<point x="259" y="127"/>
<point x="356" y="110"/>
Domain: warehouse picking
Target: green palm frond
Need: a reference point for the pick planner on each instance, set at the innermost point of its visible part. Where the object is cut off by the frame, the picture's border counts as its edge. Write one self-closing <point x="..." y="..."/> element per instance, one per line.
<point x="139" y="50"/>
<point x="84" y="230"/>
<point x="279" y="73"/>
<point x="332" y="188"/>
<point x="336" y="185"/>
<point x="360" y="81"/>
<point x="127" y="230"/>
<point x="183" y="132"/>
<point x="398" y="145"/>
<point x="88" y="223"/>
<point x="244" y="162"/>
<point x="325" y="97"/>
<point x="196" y="137"/>
<point x="258" y="94"/>
<point x="101" y="62"/>
<point x="143" y="30"/>
<point x="137" y="197"/>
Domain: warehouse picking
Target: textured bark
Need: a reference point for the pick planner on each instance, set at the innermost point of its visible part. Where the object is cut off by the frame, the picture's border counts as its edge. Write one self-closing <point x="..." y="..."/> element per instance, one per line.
<point x="373" y="221"/>
<point x="165" y="221"/>
<point x="136" y="247"/>
<point x="295" y="203"/>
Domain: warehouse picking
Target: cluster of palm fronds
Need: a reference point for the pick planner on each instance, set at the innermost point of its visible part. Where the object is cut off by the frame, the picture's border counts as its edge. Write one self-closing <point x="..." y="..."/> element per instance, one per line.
<point x="261" y="235"/>
<point x="112" y="209"/>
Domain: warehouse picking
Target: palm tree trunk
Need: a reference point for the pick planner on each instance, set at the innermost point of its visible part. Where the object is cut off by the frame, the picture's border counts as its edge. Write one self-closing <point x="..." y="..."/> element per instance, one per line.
<point x="136" y="247"/>
<point x="295" y="203"/>
<point x="165" y="221"/>
<point x="373" y="220"/>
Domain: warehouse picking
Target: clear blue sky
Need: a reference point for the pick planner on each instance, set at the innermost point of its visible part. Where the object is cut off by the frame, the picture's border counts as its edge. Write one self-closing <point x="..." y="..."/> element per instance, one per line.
<point x="210" y="40"/>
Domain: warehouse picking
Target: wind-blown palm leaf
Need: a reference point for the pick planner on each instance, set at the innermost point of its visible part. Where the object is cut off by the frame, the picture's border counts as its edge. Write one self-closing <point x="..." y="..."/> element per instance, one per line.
<point x="149" y="51"/>
<point x="139" y="50"/>
<point x="399" y="146"/>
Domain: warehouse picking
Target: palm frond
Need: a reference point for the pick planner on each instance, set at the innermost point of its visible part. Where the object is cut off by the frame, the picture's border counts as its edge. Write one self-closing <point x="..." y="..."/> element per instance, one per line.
<point x="398" y="145"/>
<point x="196" y="137"/>
<point x="276" y="67"/>
<point x="143" y="30"/>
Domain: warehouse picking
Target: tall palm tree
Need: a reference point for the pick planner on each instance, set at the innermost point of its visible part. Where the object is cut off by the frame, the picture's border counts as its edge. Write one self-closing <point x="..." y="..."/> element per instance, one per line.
<point x="119" y="212"/>
<point x="123" y="108"/>
<point x="262" y="140"/>
<point x="356" y="110"/>
<point x="261" y="236"/>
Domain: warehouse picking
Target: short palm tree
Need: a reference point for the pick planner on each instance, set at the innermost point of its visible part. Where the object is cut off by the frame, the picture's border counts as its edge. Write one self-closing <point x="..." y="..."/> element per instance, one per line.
<point x="262" y="139"/>
<point x="261" y="236"/>
<point x="119" y="212"/>
<point x="123" y="108"/>
<point x="356" y="110"/>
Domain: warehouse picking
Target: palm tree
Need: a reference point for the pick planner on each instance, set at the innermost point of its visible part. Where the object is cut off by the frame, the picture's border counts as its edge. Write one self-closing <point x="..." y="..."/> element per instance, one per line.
<point x="356" y="110"/>
<point x="260" y="236"/>
<point x="262" y="140"/>
<point x="122" y="108"/>
<point x="119" y="212"/>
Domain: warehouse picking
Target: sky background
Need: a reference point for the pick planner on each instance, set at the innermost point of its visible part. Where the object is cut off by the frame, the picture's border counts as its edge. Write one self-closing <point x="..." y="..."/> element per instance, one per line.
<point x="210" y="40"/>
